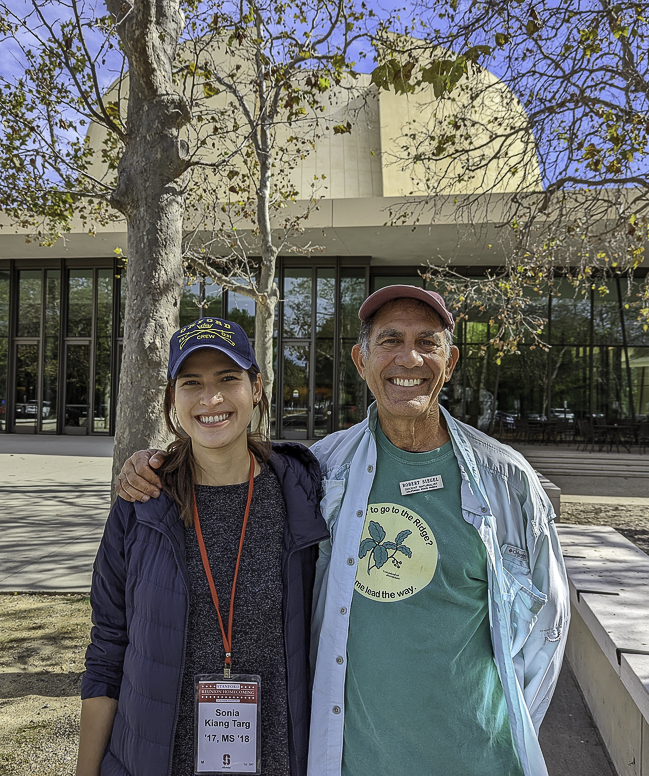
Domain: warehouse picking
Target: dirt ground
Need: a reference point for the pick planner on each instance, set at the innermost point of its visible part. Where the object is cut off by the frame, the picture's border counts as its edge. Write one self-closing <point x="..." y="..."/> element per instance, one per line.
<point x="43" y="640"/>
<point x="630" y="521"/>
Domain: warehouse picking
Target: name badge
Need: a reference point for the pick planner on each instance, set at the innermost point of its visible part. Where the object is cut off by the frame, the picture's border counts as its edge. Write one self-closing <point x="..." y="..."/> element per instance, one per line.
<point x="227" y="724"/>
<point x="421" y="485"/>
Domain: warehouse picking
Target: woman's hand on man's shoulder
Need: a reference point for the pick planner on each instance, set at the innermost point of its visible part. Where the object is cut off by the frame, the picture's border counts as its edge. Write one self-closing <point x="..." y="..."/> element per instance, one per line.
<point x="138" y="480"/>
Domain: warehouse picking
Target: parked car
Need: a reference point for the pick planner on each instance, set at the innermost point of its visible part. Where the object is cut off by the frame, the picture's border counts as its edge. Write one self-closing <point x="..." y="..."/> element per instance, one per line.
<point x="506" y="418"/>
<point x="562" y="413"/>
<point x="31" y="409"/>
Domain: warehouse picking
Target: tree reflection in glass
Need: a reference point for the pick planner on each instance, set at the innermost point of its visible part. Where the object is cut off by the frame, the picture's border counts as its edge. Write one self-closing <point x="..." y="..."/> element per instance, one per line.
<point x="298" y="304"/>
<point x="26" y="397"/>
<point x="76" y="389"/>
<point x="296" y="392"/>
<point x="80" y="290"/>
<point x="29" y="303"/>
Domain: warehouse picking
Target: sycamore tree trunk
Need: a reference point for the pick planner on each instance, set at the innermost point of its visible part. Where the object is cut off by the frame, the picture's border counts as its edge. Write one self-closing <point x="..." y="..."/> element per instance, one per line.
<point x="150" y="192"/>
<point x="268" y="295"/>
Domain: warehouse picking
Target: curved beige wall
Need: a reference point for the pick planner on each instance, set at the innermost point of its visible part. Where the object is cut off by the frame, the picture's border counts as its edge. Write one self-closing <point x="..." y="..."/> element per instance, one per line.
<point x="369" y="161"/>
<point x="484" y="107"/>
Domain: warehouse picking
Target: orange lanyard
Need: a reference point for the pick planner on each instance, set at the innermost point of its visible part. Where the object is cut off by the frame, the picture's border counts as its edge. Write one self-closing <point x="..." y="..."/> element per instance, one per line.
<point x="227" y="640"/>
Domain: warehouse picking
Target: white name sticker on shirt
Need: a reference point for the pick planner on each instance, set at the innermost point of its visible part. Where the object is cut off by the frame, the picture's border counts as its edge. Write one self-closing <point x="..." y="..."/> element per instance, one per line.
<point x="421" y="485"/>
<point x="227" y="724"/>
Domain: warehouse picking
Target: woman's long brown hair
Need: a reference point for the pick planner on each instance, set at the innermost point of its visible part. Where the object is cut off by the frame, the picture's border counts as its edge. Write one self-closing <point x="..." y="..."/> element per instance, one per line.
<point x="178" y="471"/>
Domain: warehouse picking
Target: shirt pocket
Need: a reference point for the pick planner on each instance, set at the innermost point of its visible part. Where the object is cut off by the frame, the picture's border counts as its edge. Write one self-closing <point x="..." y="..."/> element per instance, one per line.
<point x="333" y="492"/>
<point x="525" y="601"/>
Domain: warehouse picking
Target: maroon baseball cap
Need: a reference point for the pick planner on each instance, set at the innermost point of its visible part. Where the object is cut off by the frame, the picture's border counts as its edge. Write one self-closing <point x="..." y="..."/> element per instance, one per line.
<point x="387" y="294"/>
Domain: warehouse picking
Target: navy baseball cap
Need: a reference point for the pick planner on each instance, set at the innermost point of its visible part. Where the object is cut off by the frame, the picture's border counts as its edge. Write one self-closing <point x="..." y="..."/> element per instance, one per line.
<point x="225" y="336"/>
<point x="387" y="294"/>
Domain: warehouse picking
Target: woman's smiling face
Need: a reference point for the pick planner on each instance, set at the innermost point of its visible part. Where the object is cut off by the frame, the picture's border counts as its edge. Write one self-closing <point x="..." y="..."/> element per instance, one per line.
<point x="214" y="399"/>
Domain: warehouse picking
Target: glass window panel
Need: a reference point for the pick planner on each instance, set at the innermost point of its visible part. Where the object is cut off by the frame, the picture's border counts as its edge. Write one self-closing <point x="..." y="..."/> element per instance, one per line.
<point x="632" y="296"/>
<point x="325" y="302"/>
<point x="213" y="299"/>
<point x="352" y="296"/>
<point x="381" y="281"/>
<point x="26" y="409"/>
<point x="52" y="302"/>
<point x="200" y="298"/>
<point x="295" y="422"/>
<point x="570" y="315"/>
<point x="101" y="419"/>
<point x="324" y="380"/>
<point x="241" y="309"/>
<point x="351" y="388"/>
<point x="4" y="345"/>
<point x="104" y="303"/>
<point x="4" y="355"/>
<point x="80" y="303"/>
<point x="4" y="303"/>
<point x="536" y="305"/>
<point x="29" y="303"/>
<point x="77" y="381"/>
<point x="639" y="362"/>
<point x="477" y="319"/>
<point x="470" y="392"/>
<point x="606" y="323"/>
<point x="50" y="385"/>
<point x="189" y="309"/>
<point x="569" y="382"/>
<point x="454" y="403"/>
<point x="610" y="385"/>
<point x="298" y="304"/>
<point x="476" y="332"/>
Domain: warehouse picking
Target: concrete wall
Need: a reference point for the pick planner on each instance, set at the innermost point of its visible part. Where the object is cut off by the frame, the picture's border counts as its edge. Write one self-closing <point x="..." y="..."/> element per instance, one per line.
<point x="375" y="159"/>
<point x="623" y="728"/>
<point x="608" y="644"/>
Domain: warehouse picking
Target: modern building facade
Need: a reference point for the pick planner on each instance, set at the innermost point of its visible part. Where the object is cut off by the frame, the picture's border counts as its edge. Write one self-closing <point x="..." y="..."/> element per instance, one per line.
<point x="61" y="308"/>
<point x="61" y="328"/>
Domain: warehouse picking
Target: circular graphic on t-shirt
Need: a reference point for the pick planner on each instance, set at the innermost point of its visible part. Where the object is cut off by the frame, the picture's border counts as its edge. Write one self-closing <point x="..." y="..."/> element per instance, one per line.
<point x="397" y="556"/>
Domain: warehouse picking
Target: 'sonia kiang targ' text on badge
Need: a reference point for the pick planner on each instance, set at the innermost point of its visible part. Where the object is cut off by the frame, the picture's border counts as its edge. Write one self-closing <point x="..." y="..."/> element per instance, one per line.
<point x="227" y="724"/>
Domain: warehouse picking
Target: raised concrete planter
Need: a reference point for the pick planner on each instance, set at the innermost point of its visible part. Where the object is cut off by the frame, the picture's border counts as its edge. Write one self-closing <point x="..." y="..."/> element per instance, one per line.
<point x="608" y="644"/>
<point x="553" y="493"/>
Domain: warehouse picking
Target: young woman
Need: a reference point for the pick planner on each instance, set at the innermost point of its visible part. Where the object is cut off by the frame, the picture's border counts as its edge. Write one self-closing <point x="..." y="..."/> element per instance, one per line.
<point x="236" y="527"/>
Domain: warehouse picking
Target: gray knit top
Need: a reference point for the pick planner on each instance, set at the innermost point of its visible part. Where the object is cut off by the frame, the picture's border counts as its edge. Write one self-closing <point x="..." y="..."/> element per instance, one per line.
<point x="257" y="634"/>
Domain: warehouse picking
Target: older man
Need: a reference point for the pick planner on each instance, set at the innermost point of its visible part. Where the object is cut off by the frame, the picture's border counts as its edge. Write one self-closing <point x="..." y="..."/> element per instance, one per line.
<point x="441" y="602"/>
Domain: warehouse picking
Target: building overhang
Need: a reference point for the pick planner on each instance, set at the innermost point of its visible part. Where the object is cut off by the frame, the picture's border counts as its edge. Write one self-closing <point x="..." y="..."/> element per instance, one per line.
<point x="392" y="231"/>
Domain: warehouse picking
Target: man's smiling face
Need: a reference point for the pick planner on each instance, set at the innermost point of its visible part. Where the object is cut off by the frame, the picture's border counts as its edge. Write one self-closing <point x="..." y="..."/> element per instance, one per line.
<point x="406" y="366"/>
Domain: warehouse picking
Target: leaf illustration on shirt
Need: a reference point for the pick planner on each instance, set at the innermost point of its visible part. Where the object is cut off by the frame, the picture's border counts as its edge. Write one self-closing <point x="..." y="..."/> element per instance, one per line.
<point x="381" y="552"/>
<point x="376" y="532"/>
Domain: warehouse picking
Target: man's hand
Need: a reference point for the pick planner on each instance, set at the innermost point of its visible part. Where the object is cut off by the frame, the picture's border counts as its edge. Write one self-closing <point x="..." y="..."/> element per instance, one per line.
<point x="138" y="481"/>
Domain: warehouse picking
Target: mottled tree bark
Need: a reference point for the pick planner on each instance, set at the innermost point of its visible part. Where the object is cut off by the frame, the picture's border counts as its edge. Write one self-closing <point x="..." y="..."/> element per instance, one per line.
<point x="268" y="295"/>
<point x="150" y="192"/>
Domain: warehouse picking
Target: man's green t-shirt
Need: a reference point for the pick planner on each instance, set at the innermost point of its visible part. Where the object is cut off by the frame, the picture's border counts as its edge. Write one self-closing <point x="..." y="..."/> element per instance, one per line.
<point x="422" y="692"/>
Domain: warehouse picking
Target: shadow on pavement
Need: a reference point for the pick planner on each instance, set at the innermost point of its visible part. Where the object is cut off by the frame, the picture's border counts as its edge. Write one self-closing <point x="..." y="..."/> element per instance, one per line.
<point x="569" y="739"/>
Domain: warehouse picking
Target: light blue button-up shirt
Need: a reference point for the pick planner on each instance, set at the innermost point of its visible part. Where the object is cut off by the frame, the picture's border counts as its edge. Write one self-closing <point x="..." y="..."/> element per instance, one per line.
<point x="529" y="608"/>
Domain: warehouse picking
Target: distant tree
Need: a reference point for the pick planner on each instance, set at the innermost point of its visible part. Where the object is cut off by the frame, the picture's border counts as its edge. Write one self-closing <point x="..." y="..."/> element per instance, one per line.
<point x="175" y="118"/>
<point x="568" y="109"/>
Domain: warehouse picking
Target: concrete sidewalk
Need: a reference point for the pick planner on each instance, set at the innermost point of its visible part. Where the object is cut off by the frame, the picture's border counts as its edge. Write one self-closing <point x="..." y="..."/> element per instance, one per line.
<point x="595" y="474"/>
<point x="54" y="500"/>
